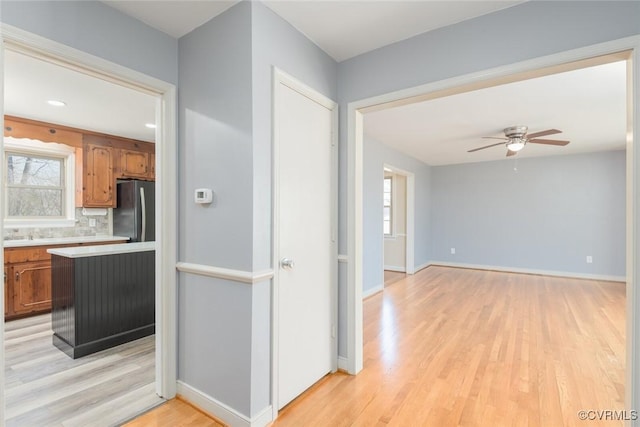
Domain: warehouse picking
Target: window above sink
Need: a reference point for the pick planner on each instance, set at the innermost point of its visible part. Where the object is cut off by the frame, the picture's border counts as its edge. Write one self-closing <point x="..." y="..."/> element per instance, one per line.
<point x="39" y="184"/>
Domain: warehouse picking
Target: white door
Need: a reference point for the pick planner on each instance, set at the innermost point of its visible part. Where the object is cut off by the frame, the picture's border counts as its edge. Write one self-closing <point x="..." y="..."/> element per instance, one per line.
<point x="303" y="232"/>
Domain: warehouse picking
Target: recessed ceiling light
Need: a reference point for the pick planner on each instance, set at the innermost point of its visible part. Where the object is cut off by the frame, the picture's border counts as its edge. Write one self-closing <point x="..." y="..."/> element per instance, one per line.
<point x="56" y="103"/>
<point x="151" y="125"/>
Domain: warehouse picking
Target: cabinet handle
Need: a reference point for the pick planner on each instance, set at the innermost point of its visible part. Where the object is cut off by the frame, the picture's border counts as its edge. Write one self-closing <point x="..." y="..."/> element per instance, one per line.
<point x="17" y="276"/>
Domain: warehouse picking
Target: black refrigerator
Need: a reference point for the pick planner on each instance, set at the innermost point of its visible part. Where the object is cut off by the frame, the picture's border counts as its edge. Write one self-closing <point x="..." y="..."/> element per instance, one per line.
<point x="135" y="216"/>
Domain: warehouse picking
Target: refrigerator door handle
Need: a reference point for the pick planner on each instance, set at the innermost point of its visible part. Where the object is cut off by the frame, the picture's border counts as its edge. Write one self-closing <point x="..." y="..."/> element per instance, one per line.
<point x="143" y="205"/>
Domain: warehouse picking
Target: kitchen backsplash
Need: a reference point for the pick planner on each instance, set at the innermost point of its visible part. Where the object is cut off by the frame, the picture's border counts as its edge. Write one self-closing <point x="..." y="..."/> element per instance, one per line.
<point x="82" y="228"/>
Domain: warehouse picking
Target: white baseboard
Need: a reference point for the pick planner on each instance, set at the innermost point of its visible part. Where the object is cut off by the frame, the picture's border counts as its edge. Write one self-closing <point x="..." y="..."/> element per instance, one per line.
<point x="532" y="271"/>
<point x="372" y="291"/>
<point x="422" y="266"/>
<point x="394" y="268"/>
<point x="221" y="411"/>
<point x="343" y="364"/>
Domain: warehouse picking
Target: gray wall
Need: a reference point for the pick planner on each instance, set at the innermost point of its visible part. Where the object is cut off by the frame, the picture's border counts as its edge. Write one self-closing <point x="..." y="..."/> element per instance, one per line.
<point x="225" y="114"/>
<point x="549" y="214"/>
<point x="216" y="146"/>
<point x="215" y="115"/>
<point x="376" y="155"/>
<point x="98" y="29"/>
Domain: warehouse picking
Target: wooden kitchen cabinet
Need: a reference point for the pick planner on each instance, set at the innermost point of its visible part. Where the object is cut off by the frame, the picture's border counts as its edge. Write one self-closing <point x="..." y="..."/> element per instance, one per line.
<point x="27" y="284"/>
<point x="99" y="181"/>
<point x="6" y="293"/>
<point x="105" y="161"/>
<point x="152" y="166"/>
<point x="133" y="164"/>
<point x="31" y="287"/>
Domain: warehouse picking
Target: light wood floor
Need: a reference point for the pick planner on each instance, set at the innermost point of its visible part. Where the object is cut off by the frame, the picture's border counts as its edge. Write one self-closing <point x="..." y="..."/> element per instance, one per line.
<point x="174" y="413"/>
<point x="44" y="387"/>
<point x="391" y="277"/>
<point x="449" y="347"/>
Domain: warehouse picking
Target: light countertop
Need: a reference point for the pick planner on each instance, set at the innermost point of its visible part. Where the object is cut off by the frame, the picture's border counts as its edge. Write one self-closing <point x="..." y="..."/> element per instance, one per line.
<point x="61" y="241"/>
<point x="88" y="251"/>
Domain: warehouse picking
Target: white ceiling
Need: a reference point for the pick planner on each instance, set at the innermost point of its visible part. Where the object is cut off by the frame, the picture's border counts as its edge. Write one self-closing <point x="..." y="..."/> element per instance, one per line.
<point x="587" y="105"/>
<point x="343" y="29"/>
<point x="92" y="103"/>
<point x="173" y="17"/>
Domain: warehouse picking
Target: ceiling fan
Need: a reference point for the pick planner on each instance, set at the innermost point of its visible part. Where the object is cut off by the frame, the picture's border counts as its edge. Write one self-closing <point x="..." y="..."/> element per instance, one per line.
<point x="516" y="138"/>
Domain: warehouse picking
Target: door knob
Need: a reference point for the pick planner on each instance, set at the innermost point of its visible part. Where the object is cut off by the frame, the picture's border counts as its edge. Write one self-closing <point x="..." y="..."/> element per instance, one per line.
<point x="286" y="263"/>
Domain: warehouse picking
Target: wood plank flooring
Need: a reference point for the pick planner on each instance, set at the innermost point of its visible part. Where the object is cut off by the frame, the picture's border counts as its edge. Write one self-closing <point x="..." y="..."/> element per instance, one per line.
<point x="391" y="277"/>
<point x="456" y="347"/>
<point x="174" y="413"/>
<point x="44" y="387"/>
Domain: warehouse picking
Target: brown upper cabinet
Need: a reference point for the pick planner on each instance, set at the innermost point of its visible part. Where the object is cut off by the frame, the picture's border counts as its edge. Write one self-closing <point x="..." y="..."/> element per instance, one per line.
<point x="100" y="159"/>
<point x="135" y="164"/>
<point x="98" y="181"/>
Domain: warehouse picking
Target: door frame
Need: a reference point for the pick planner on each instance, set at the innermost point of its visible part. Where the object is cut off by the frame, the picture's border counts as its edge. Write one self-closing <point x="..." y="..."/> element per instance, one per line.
<point x="282" y="78"/>
<point x="628" y="48"/>
<point x="166" y="195"/>
<point x="409" y="240"/>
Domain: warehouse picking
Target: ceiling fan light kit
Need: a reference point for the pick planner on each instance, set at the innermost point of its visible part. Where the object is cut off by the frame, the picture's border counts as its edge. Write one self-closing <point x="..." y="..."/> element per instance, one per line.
<point x="516" y="144"/>
<point x="516" y="138"/>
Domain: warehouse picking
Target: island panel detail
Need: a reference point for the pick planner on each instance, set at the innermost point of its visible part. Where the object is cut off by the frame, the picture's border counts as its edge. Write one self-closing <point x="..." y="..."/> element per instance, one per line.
<point x="102" y="301"/>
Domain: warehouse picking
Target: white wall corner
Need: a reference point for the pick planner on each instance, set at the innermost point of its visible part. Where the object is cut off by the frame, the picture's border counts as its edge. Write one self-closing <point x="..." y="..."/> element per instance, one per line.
<point x="343" y="364"/>
<point x="399" y="269"/>
<point x="263" y="418"/>
<point x="213" y="407"/>
<point x="369" y="292"/>
<point x="423" y="266"/>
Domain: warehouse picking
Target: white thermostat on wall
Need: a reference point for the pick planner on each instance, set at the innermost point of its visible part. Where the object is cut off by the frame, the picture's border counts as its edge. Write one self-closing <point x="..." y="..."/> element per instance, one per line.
<point x="204" y="195"/>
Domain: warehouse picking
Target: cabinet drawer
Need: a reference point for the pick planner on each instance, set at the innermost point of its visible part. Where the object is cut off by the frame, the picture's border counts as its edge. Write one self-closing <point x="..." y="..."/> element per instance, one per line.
<point x="34" y="253"/>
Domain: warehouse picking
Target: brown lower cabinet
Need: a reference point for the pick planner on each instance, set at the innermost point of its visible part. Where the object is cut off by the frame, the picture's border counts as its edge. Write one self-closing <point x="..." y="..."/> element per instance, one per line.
<point x="27" y="279"/>
<point x="31" y="286"/>
<point x="6" y="294"/>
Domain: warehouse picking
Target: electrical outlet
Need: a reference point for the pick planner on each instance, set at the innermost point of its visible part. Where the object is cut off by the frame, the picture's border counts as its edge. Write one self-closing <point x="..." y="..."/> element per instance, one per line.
<point x="92" y="222"/>
<point x="453" y="251"/>
<point x="589" y="259"/>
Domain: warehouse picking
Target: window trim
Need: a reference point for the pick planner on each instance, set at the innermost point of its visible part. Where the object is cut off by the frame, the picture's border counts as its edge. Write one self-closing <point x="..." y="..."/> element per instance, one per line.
<point x="45" y="149"/>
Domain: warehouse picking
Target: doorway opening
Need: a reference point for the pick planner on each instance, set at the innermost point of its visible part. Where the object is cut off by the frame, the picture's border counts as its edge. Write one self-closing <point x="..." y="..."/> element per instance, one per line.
<point x="615" y="51"/>
<point x="398" y="224"/>
<point x="162" y="362"/>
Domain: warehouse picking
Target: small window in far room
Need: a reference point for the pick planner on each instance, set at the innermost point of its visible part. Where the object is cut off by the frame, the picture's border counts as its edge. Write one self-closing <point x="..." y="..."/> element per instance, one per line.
<point x="386" y="207"/>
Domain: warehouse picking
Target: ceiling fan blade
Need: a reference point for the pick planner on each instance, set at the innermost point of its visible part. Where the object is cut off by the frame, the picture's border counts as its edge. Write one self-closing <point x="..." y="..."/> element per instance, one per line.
<point x="548" y="142"/>
<point x="495" y="137"/>
<point x="511" y="153"/>
<point x="543" y="133"/>
<point x="486" y="146"/>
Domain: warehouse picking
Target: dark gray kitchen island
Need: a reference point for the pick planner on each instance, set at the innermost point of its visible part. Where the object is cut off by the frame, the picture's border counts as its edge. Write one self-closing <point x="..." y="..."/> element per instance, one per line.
<point x="102" y="296"/>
